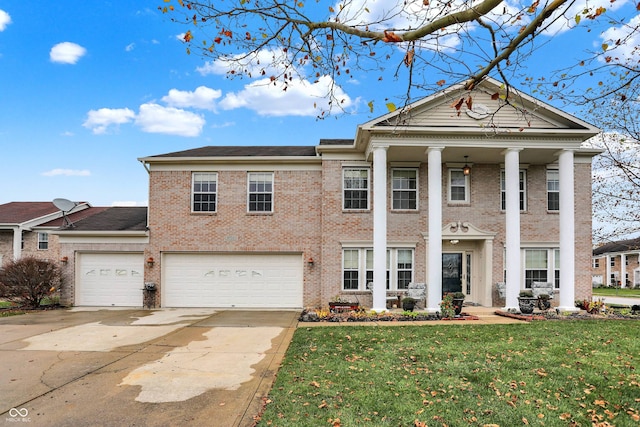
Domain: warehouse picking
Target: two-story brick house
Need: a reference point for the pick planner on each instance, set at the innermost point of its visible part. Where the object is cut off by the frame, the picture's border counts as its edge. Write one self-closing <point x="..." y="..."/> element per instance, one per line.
<point x="459" y="191"/>
<point x="617" y="264"/>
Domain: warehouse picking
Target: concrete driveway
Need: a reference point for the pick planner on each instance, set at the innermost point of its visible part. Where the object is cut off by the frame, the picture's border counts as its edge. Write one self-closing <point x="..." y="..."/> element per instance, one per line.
<point x="105" y="367"/>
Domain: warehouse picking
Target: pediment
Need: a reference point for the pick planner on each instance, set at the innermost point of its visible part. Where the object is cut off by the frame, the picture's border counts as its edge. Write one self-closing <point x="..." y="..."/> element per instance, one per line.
<point x="465" y="231"/>
<point x="487" y="107"/>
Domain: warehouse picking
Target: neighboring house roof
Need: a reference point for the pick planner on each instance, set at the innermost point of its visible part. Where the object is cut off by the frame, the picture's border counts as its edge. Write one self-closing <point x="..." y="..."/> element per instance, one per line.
<point x="114" y="219"/>
<point x="20" y="212"/>
<point x="244" y="151"/>
<point x="348" y="142"/>
<point x="620" y="246"/>
<point x="30" y="214"/>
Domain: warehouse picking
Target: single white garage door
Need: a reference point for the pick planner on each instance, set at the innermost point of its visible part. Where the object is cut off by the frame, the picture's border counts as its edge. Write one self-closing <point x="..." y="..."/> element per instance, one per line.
<point x="110" y="279"/>
<point x="231" y="280"/>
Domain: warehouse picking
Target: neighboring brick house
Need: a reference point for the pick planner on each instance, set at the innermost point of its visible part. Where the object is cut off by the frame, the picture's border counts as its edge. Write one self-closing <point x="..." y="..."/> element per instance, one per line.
<point x="25" y="229"/>
<point x="617" y="264"/>
<point x="458" y="191"/>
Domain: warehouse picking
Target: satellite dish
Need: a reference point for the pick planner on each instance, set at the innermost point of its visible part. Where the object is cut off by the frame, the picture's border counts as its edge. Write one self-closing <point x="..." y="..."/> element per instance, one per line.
<point x="65" y="206"/>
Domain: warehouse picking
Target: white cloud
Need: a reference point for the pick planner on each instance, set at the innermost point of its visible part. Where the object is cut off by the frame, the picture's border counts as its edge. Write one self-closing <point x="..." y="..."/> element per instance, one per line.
<point x="265" y="62"/>
<point x="630" y="40"/>
<point x="66" y="53"/>
<point x="130" y="47"/>
<point x="202" y="98"/>
<point x="301" y="98"/>
<point x="128" y="203"/>
<point x="154" y="118"/>
<point x="5" y="20"/>
<point x="67" y="172"/>
<point x="99" y="120"/>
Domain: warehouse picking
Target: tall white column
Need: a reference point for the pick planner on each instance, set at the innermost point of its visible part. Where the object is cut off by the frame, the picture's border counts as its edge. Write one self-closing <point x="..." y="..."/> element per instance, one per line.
<point x="512" y="226"/>
<point x="17" y="243"/>
<point x="380" y="228"/>
<point x="606" y="281"/>
<point x="623" y="270"/>
<point x="567" y="232"/>
<point x="434" y="261"/>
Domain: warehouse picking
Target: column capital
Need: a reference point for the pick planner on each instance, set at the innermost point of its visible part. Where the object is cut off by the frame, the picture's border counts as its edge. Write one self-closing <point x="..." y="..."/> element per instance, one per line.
<point x="434" y="148"/>
<point x="378" y="145"/>
<point x="511" y="150"/>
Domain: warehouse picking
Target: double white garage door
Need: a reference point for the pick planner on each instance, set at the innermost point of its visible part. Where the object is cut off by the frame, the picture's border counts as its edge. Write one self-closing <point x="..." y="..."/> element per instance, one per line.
<point x="232" y="280"/>
<point x="192" y="280"/>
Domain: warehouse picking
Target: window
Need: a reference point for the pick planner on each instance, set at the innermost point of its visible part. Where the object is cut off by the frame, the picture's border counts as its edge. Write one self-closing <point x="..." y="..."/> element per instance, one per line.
<point x="405" y="268"/>
<point x="357" y="268"/>
<point x="261" y="192"/>
<point x="205" y="192"/>
<point x="553" y="190"/>
<point x="596" y="263"/>
<point x="43" y="241"/>
<point x="556" y="270"/>
<point x="458" y="186"/>
<point x="405" y="189"/>
<point x="355" y="189"/>
<point x="536" y="264"/>
<point x="523" y="191"/>
<point x="612" y="262"/>
<point x="350" y="269"/>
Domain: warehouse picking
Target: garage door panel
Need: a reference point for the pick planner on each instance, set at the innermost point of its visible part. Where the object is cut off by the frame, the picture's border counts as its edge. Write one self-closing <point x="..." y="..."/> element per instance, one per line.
<point x="230" y="280"/>
<point x="108" y="279"/>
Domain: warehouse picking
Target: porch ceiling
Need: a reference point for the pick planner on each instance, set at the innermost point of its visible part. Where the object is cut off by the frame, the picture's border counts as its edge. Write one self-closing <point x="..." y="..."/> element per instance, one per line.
<point x="475" y="155"/>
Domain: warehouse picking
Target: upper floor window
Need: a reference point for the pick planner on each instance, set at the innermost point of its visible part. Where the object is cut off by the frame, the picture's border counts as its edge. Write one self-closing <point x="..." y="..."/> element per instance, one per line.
<point x="260" y="192"/>
<point x="596" y="263"/>
<point x="612" y="263"/>
<point x="43" y="241"/>
<point x="405" y="189"/>
<point x="458" y="186"/>
<point x="205" y="192"/>
<point x="523" y="191"/>
<point x="355" y="189"/>
<point x="553" y="190"/>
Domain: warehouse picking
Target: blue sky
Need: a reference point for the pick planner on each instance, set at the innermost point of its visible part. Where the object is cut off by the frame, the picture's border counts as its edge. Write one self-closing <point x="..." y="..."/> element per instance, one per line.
<point x="87" y="87"/>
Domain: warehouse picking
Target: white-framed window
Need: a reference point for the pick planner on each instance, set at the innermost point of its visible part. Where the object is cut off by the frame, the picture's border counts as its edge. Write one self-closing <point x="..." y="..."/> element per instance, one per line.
<point x="523" y="190"/>
<point x="553" y="190"/>
<point x="43" y="241"/>
<point x="596" y="263"/>
<point x="204" y="192"/>
<point x="612" y="263"/>
<point x="404" y="188"/>
<point x="357" y="268"/>
<point x="260" y="194"/>
<point x="541" y="265"/>
<point x="355" y="188"/>
<point x="458" y="186"/>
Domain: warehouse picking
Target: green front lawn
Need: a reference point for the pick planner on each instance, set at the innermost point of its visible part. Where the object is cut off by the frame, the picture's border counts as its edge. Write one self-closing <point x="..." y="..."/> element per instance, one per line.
<point x="547" y="373"/>
<point x="616" y="292"/>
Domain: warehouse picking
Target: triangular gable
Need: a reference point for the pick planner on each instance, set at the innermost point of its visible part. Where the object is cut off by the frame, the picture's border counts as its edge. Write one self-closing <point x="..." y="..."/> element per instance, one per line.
<point x="482" y="108"/>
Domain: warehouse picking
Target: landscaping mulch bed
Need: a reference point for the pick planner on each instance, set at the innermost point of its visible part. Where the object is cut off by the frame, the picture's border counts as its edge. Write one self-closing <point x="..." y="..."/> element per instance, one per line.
<point x="364" y="316"/>
<point x="579" y="315"/>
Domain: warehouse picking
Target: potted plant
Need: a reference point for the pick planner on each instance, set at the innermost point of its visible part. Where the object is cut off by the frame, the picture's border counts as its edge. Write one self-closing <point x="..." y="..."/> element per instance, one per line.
<point x="544" y="302"/>
<point x="526" y="301"/>
<point x="447" y="310"/>
<point x="408" y="303"/>
<point x="458" y="300"/>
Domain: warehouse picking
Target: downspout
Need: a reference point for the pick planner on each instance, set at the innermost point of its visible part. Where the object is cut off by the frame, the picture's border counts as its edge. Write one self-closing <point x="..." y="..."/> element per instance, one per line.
<point x="144" y="164"/>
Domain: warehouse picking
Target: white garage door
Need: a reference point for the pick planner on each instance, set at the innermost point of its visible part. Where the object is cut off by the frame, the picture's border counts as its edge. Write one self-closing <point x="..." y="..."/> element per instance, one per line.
<point x="107" y="279"/>
<point x="229" y="280"/>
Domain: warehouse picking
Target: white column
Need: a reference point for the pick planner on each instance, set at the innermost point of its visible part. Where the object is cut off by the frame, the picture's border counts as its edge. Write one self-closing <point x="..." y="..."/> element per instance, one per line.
<point x="606" y="281"/>
<point x="512" y="226"/>
<point x="434" y="261"/>
<point x="623" y="270"/>
<point x="380" y="228"/>
<point x="17" y="243"/>
<point x="567" y="232"/>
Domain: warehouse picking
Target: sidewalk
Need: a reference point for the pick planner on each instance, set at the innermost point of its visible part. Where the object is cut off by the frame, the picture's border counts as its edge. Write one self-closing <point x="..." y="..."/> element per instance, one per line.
<point x="618" y="300"/>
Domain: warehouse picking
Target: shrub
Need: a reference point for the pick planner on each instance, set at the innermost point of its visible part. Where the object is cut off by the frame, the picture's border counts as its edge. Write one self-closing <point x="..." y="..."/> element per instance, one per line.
<point x="29" y="280"/>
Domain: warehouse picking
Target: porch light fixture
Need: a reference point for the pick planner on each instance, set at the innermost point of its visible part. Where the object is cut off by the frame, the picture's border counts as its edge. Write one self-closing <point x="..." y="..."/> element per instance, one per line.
<point x="310" y="261"/>
<point x="454" y="241"/>
<point x="150" y="261"/>
<point x="466" y="169"/>
<point x="64" y="259"/>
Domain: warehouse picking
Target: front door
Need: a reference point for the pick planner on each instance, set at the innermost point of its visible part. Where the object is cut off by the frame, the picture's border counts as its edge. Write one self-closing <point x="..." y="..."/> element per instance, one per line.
<point x="451" y="272"/>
